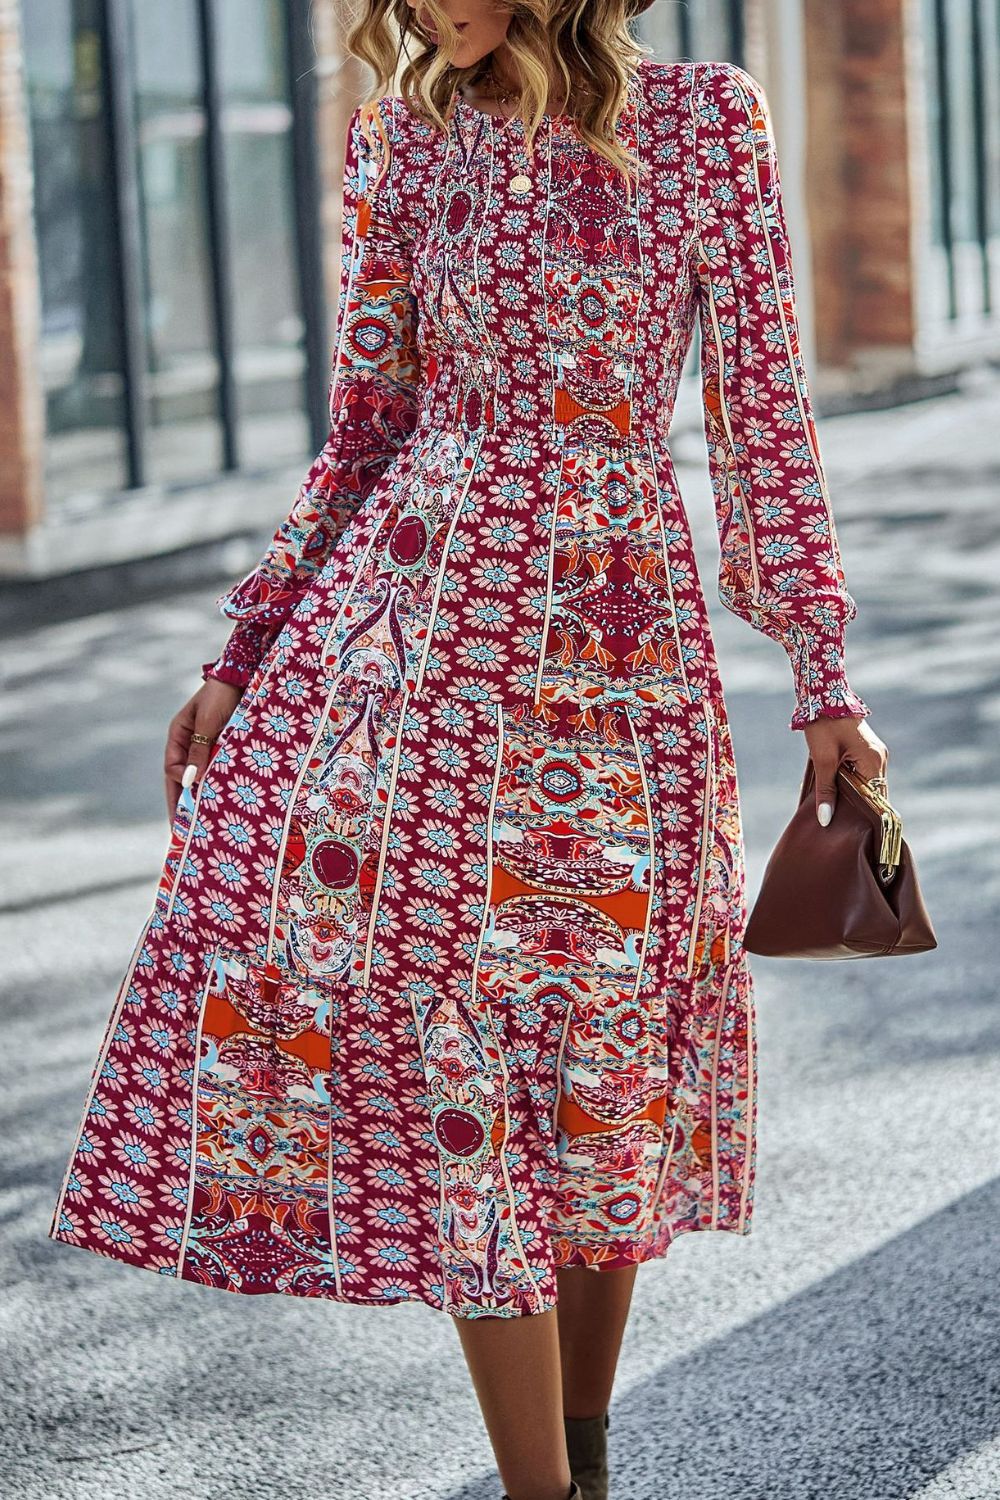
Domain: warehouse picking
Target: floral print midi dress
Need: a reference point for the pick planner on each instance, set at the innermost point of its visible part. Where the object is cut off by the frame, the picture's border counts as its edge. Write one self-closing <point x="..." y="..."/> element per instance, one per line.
<point x="443" y="986"/>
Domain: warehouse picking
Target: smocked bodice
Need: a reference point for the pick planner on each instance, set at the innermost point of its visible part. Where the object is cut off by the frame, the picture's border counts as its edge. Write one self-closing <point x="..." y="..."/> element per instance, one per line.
<point x="550" y="297"/>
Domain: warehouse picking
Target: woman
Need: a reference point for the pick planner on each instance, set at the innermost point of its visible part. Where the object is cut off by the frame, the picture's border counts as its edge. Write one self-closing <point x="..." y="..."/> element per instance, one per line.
<point x="443" y="994"/>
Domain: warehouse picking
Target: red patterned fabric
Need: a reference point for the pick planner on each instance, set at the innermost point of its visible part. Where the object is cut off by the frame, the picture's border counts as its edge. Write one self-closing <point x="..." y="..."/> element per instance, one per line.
<point x="781" y="567"/>
<point x="443" y="987"/>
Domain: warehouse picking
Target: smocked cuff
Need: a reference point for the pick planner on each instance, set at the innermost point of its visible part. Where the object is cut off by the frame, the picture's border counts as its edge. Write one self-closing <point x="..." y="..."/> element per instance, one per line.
<point x="243" y="652"/>
<point x="836" y="699"/>
<point x="816" y="652"/>
<point x="219" y="672"/>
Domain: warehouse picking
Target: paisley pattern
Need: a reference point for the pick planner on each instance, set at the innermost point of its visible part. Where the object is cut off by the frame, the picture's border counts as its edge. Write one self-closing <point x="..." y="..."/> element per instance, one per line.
<point x="443" y="988"/>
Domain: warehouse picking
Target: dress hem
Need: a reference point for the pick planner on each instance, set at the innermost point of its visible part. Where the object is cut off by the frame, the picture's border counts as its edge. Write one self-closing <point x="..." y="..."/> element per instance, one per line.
<point x="437" y="1304"/>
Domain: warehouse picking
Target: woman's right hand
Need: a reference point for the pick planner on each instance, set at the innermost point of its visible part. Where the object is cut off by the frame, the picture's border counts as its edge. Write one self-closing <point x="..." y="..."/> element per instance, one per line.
<point x="207" y="713"/>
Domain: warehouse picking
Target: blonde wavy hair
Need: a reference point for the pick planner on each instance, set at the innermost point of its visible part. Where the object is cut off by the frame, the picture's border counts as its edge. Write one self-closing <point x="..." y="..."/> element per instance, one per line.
<point x="586" y="44"/>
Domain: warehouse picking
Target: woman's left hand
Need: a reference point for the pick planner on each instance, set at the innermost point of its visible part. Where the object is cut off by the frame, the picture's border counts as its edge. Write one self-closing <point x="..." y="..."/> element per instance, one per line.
<point x="206" y="713"/>
<point x="832" y="742"/>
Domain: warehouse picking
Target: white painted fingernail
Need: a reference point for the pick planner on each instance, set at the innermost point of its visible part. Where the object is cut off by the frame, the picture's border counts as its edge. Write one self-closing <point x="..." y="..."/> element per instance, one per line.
<point x="190" y="772"/>
<point x="825" y="813"/>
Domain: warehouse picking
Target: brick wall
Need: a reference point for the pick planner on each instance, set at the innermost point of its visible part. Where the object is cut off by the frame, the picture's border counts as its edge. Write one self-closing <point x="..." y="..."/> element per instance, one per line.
<point x="21" y="405"/>
<point x="341" y="84"/>
<point x="859" y="188"/>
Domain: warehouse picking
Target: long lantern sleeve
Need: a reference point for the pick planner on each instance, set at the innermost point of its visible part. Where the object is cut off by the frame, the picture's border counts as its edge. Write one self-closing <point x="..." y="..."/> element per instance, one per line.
<point x="374" y="399"/>
<point x="780" y="566"/>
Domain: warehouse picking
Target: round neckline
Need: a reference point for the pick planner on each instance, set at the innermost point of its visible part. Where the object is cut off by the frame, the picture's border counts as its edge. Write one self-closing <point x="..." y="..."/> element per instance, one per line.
<point x="483" y="114"/>
<point x="546" y="118"/>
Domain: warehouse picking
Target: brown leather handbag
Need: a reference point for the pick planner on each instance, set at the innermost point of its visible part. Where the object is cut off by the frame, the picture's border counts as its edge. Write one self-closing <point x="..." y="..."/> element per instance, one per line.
<point x="849" y="890"/>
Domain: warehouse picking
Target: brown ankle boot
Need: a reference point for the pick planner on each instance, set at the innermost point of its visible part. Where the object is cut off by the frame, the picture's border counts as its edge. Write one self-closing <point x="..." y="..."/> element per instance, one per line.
<point x="587" y="1445"/>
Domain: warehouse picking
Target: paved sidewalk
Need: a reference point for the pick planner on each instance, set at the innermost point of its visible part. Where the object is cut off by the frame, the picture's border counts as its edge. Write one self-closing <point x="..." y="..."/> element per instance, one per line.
<point x="845" y="1350"/>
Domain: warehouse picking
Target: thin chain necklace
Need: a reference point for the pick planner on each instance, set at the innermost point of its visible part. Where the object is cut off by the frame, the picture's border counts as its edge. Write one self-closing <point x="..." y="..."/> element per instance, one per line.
<point x="503" y="98"/>
<point x="497" y="99"/>
<point x="520" y="182"/>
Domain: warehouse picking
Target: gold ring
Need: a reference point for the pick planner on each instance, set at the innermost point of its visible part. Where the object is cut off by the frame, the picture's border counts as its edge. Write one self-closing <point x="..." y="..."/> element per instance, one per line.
<point x="879" y="783"/>
<point x="202" y="739"/>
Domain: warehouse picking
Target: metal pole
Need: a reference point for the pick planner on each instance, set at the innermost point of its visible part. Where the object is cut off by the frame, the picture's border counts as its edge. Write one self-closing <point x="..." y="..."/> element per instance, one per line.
<point x="218" y="228"/>
<point x="685" y="30"/>
<point x="980" y="152"/>
<point x="307" y="191"/>
<point x="944" y="148"/>
<point x="119" y="102"/>
<point x="737" y="33"/>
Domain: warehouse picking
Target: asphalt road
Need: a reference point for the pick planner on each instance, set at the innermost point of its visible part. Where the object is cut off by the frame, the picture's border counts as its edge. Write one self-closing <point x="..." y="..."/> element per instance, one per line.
<point x="847" y="1349"/>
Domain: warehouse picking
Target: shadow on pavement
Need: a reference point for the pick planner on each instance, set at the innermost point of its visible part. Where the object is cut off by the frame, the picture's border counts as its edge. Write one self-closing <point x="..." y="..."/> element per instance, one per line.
<point x="868" y="1384"/>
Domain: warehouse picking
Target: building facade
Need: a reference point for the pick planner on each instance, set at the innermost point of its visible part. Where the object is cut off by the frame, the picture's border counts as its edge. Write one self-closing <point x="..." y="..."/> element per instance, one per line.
<point x="169" y="227"/>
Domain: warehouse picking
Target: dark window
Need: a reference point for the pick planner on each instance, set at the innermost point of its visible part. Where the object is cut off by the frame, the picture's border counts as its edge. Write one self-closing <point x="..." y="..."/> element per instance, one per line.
<point x="81" y="349"/>
<point x="177" y="225"/>
<point x="708" y="30"/>
<point x="963" y="94"/>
